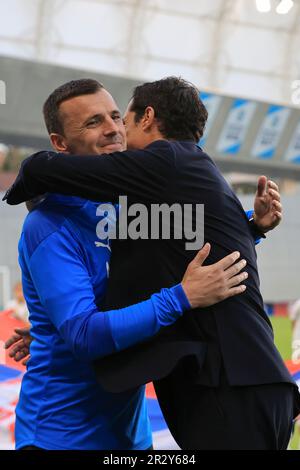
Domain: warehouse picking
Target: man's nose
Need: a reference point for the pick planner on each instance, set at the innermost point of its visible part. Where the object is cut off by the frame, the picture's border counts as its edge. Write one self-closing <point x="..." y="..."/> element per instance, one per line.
<point x="110" y="127"/>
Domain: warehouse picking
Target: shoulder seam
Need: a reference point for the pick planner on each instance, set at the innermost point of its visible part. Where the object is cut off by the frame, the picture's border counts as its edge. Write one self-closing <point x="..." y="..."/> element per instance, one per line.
<point x="43" y="240"/>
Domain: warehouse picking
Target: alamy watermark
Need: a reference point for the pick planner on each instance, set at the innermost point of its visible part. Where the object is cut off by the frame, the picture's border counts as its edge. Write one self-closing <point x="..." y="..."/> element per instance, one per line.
<point x="295" y="97"/>
<point x="2" y="92"/>
<point x="153" y="221"/>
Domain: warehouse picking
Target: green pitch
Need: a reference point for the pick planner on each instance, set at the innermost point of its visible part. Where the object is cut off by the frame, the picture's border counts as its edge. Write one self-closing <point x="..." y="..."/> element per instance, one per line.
<point x="283" y="334"/>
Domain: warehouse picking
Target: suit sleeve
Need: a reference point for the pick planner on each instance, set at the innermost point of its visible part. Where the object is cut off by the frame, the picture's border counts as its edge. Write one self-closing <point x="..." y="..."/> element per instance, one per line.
<point x="142" y="175"/>
<point x="64" y="288"/>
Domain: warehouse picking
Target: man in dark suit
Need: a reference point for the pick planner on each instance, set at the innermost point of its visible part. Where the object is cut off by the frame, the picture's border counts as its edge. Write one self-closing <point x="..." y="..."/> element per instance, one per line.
<point x="219" y="378"/>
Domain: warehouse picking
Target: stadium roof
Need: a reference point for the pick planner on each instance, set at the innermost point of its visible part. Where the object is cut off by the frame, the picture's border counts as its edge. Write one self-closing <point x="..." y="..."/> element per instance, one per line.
<point x="222" y="45"/>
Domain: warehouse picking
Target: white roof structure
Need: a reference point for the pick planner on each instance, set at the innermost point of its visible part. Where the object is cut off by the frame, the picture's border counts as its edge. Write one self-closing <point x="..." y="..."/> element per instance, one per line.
<point x="222" y="45"/>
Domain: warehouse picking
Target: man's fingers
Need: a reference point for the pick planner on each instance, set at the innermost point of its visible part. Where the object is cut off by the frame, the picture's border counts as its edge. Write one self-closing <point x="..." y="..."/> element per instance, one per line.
<point x="12" y="340"/>
<point x="277" y="210"/>
<point x="13" y="352"/>
<point x="274" y="194"/>
<point x="19" y="334"/>
<point x="236" y="280"/>
<point x="235" y="269"/>
<point x="277" y="206"/>
<point x="261" y="186"/>
<point x="23" y="331"/>
<point x="277" y="218"/>
<point x="17" y="347"/>
<point x="25" y="360"/>
<point x="228" y="261"/>
<point x="272" y="185"/>
<point x="236" y="290"/>
<point x="19" y="356"/>
<point x="202" y="255"/>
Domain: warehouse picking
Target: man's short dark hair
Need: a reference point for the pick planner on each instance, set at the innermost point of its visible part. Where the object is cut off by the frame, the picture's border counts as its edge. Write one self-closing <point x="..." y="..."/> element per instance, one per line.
<point x="179" y="111"/>
<point x="84" y="86"/>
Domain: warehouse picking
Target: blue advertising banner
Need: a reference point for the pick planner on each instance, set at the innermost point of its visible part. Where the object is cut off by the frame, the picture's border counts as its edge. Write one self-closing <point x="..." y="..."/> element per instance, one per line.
<point x="212" y="103"/>
<point x="293" y="151"/>
<point x="236" y="126"/>
<point x="270" y="132"/>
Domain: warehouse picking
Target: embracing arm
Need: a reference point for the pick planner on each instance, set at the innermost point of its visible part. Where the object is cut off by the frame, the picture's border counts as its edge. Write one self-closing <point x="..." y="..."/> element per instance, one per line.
<point x="65" y="290"/>
<point x="140" y="174"/>
<point x="90" y="333"/>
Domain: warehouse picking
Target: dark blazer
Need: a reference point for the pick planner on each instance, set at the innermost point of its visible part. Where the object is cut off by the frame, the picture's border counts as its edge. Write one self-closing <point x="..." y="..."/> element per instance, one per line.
<point x="235" y="334"/>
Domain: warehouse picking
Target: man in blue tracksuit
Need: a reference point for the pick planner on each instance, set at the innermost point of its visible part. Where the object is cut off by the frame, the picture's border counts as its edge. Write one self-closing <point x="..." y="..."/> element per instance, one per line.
<point x="64" y="279"/>
<point x="64" y="272"/>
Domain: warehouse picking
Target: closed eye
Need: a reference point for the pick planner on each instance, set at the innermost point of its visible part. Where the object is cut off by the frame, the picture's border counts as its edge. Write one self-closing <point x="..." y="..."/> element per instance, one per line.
<point x="94" y="121"/>
<point x="116" y="117"/>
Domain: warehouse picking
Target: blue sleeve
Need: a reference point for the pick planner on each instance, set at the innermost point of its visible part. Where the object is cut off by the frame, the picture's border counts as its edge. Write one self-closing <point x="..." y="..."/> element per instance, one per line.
<point x="256" y="235"/>
<point x="249" y="214"/>
<point x="65" y="290"/>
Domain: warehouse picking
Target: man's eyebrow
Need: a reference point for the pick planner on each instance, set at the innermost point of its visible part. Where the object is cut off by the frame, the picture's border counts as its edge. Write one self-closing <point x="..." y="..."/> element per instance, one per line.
<point x="116" y="111"/>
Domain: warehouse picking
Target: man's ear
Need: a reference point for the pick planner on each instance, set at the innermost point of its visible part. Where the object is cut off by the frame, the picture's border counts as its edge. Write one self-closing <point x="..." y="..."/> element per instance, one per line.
<point x="59" y="143"/>
<point x="148" y="118"/>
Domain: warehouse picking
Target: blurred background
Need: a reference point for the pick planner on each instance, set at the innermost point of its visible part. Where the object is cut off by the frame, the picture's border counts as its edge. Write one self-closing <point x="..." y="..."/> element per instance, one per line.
<point x="243" y="55"/>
